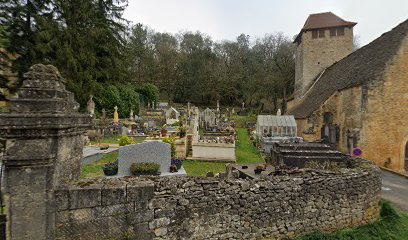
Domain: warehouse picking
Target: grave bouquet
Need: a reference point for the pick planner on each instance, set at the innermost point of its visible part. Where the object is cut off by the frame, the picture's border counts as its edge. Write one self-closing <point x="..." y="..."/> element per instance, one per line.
<point x="176" y="162"/>
<point x="111" y="168"/>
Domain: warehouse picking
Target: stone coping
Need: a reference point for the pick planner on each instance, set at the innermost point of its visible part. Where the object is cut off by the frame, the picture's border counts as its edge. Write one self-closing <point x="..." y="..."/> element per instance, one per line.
<point x="220" y="145"/>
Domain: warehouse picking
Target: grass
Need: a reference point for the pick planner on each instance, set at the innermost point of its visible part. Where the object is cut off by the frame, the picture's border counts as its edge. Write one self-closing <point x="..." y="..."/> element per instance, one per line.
<point x="96" y="169"/>
<point x="196" y="168"/>
<point x="245" y="153"/>
<point x="107" y="140"/>
<point x="391" y="225"/>
<point x="240" y="121"/>
<point x="113" y="140"/>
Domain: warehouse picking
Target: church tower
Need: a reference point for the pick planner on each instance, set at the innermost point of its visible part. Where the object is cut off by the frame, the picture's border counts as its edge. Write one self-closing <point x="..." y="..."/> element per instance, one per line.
<point x="324" y="39"/>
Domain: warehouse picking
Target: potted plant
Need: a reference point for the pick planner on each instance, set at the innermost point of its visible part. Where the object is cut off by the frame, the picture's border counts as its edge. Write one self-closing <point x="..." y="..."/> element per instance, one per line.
<point x="177" y="162"/>
<point x="163" y="131"/>
<point x="110" y="168"/>
<point x="103" y="146"/>
<point x="258" y="169"/>
<point x="144" y="168"/>
<point x="183" y="131"/>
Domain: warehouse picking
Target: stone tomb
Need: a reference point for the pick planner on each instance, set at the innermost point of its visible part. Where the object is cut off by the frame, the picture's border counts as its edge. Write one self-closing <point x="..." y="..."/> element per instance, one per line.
<point x="155" y="152"/>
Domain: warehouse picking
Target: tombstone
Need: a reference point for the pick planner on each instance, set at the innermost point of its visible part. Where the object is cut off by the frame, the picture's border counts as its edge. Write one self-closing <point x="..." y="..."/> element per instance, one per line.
<point x="103" y="113"/>
<point x="125" y="131"/>
<point x="116" y="116"/>
<point x="91" y="106"/>
<point x="152" y="152"/>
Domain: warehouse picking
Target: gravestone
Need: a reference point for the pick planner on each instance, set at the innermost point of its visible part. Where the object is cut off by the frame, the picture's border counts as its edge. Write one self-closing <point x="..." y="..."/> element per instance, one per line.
<point x="152" y="152"/>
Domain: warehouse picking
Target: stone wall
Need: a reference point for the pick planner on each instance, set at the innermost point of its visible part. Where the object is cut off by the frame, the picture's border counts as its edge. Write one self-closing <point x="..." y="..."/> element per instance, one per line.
<point x="385" y="130"/>
<point x="345" y="106"/>
<point x="212" y="208"/>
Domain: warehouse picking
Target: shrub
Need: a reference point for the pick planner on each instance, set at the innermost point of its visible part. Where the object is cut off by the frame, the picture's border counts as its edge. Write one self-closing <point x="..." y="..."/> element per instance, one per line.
<point x="125" y="140"/>
<point x="144" y="168"/>
<point x="172" y="143"/>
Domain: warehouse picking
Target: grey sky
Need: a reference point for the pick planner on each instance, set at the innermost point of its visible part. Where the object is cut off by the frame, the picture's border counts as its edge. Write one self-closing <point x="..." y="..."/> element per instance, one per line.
<point x="226" y="19"/>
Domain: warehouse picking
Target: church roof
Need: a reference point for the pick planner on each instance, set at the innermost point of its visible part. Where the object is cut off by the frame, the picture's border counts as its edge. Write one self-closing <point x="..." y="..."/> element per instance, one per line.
<point x="323" y="21"/>
<point x="361" y="67"/>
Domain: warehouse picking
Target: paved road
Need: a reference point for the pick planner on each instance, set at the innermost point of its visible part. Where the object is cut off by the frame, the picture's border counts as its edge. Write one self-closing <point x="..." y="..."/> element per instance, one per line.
<point x="395" y="190"/>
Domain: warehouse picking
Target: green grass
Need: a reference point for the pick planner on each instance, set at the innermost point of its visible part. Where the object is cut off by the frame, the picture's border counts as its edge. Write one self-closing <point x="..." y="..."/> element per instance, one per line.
<point x="96" y="169"/>
<point x="391" y="225"/>
<point x="241" y="120"/>
<point x="113" y="140"/>
<point x="196" y="168"/>
<point x="245" y="153"/>
<point x="107" y="140"/>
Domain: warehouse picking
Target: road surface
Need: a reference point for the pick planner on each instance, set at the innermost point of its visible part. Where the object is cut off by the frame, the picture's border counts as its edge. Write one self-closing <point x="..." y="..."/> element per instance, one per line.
<point x="395" y="189"/>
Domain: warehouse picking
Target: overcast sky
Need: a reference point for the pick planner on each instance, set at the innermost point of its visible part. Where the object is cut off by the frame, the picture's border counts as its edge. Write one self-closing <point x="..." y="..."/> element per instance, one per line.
<point x="226" y="19"/>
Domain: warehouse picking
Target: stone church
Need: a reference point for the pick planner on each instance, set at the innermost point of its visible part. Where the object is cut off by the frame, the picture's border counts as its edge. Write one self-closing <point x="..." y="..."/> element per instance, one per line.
<point x="353" y="99"/>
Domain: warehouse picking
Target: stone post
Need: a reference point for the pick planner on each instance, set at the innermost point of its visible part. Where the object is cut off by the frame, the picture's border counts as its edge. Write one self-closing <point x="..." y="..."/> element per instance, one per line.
<point x="43" y="148"/>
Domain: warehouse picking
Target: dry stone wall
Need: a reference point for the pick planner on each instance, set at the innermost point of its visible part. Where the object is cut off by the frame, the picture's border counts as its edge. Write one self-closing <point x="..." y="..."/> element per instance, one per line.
<point x="212" y="208"/>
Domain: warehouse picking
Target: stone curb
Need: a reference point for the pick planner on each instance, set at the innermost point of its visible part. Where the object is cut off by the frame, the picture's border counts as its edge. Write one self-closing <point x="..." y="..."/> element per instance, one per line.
<point x="395" y="172"/>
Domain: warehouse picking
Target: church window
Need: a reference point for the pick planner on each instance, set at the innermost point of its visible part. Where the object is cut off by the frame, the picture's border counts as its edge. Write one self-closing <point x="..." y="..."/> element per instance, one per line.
<point x="336" y="32"/>
<point x="321" y="33"/>
<point x="318" y="33"/>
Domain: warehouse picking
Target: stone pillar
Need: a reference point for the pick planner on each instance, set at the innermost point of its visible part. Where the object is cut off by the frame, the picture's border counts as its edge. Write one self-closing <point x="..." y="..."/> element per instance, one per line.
<point x="43" y="148"/>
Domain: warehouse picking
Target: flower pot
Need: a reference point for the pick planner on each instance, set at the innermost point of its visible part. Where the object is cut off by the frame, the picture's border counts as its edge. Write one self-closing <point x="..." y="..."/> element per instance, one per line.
<point x="163" y="132"/>
<point x="110" y="171"/>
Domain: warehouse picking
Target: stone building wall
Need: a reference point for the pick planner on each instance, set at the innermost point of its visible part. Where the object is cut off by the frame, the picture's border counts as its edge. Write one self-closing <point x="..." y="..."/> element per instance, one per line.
<point x="374" y="113"/>
<point x="346" y="108"/>
<point x="314" y="55"/>
<point x="212" y="208"/>
<point x="385" y="130"/>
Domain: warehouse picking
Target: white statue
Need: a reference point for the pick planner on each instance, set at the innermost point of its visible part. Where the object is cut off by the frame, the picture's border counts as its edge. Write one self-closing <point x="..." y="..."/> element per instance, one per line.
<point x="279" y="112"/>
<point x="243" y="105"/>
<point x="91" y="106"/>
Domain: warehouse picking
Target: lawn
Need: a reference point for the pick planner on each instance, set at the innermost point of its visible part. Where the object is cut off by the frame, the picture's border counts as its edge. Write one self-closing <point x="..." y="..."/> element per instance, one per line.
<point x="96" y="169"/>
<point x="245" y="153"/>
<point x="107" y="140"/>
<point x="391" y="225"/>
<point x="113" y="140"/>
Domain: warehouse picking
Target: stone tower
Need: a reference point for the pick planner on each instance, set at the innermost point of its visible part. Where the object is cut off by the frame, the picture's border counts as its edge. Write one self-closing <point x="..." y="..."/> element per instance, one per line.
<point x="324" y="39"/>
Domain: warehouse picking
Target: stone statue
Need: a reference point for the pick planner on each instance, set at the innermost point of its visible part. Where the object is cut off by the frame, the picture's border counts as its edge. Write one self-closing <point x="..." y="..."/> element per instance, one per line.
<point x="243" y="105"/>
<point x="91" y="106"/>
<point x="116" y="116"/>
<point x="103" y="113"/>
<point x="131" y="117"/>
<point x="279" y="112"/>
<point x="153" y="105"/>
<point x="232" y="111"/>
<point x="218" y="105"/>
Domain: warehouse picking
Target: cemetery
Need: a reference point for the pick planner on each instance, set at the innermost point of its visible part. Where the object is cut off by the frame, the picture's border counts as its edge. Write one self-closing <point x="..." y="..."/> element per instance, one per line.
<point x="161" y="206"/>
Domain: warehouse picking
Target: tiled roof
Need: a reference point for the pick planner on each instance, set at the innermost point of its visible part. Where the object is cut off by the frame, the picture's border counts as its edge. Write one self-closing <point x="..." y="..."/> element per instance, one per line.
<point x="325" y="20"/>
<point x="361" y="67"/>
